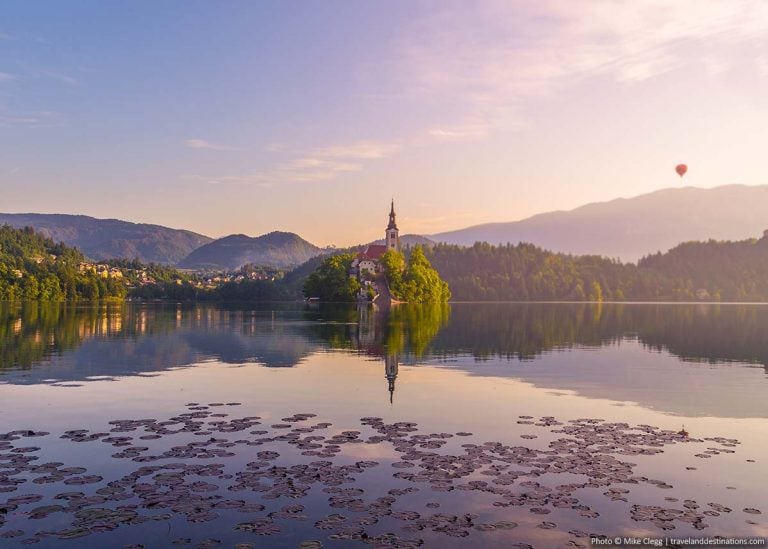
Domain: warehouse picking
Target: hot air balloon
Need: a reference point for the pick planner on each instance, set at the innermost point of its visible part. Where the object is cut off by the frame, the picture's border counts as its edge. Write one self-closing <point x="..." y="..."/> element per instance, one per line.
<point x="681" y="169"/>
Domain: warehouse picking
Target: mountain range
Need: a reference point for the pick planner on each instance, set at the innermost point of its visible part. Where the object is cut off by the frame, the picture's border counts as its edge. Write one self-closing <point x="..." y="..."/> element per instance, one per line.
<point x="101" y="239"/>
<point x="629" y="228"/>
<point x="276" y="249"/>
<point x="625" y="228"/>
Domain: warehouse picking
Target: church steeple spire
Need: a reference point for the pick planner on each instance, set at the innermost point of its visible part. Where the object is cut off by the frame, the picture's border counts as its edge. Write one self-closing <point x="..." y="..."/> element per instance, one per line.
<point x="392" y="234"/>
<point x="392" y="224"/>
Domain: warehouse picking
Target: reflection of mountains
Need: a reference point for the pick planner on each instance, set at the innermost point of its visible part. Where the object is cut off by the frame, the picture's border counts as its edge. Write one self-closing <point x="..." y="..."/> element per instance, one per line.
<point x="75" y="344"/>
<point x="65" y="343"/>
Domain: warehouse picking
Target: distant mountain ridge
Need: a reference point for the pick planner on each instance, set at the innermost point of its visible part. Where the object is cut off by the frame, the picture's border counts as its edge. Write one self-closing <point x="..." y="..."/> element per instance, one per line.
<point x="630" y="228"/>
<point x="410" y="240"/>
<point x="101" y="239"/>
<point x="276" y="249"/>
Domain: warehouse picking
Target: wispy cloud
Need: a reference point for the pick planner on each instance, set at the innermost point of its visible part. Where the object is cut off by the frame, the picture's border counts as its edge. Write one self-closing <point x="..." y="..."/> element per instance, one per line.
<point x="486" y="60"/>
<point x="59" y="77"/>
<point x="203" y="144"/>
<point x="318" y="164"/>
<point x="30" y="74"/>
<point x="469" y="130"/>
<point x="33" y="72"/>
<point x="277" y="147"/>
<point x="29" y="120"/>
<point x="363" y="150"/>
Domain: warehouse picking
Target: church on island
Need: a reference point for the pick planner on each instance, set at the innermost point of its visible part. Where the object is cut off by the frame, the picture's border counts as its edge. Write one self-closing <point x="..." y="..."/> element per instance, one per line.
<point x="367" y="263"/>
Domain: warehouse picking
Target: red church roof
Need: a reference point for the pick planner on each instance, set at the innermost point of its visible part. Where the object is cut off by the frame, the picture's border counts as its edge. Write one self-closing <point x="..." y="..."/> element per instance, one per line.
<point x="374" y="251"/>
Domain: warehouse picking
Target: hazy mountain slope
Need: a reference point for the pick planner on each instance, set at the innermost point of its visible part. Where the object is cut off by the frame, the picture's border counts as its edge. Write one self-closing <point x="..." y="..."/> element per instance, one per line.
<point x="110" y="238"/>
<point x="410" y="240"/>
<point x="277" y="249"/>
<point x="629" y="228"/>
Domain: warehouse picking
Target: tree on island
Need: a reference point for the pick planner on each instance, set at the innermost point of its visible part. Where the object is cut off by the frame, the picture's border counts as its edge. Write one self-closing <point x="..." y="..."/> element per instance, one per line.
<point x="331" y="280"/>
<point x="414" y="282"/>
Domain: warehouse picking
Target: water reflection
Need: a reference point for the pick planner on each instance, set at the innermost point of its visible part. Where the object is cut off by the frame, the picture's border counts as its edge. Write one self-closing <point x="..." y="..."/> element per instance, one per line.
<point x="698" y="333"/>
<point x="57" y="343"/>
<point x="390" y="333"/>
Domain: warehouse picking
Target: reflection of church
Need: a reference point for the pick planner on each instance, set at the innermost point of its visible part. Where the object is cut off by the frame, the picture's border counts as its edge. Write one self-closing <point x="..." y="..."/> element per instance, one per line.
<point x="391" y="363"/>
<point x="370" y="334"/>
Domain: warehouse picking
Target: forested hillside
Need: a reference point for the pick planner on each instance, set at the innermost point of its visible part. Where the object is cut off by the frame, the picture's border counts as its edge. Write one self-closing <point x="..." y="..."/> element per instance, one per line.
<point x="102" y="239"/>
<point x="35" y="267"/>
<point x="732" y="271"/>
<point x="693" y="271"/>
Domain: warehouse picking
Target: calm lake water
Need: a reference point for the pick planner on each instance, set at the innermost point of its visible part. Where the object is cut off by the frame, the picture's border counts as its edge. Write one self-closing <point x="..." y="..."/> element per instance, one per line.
<point x="484" y="424"/>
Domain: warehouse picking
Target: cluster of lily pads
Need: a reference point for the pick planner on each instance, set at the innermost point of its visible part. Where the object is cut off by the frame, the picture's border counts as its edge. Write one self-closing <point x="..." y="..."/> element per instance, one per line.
<point x="197" y="480"/>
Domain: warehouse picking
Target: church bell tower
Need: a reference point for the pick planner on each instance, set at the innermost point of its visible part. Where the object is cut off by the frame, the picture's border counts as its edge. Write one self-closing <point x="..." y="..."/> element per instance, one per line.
<point x="393" y="235"/>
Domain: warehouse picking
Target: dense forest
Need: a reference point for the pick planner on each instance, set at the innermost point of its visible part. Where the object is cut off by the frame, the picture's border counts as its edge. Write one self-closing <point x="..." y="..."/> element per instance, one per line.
<point x="727" y="271"/>
<point x="525" y="272"/>
<point x="33" y="267"/>
<point x="693" y="271"/>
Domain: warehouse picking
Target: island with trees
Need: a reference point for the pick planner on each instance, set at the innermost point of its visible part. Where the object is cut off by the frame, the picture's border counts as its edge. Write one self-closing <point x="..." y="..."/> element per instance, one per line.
<point x="397" y="278"/>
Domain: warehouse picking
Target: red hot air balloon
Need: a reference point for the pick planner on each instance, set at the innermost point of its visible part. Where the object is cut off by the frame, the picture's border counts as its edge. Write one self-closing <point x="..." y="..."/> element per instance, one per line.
<point x="681" y="169"/>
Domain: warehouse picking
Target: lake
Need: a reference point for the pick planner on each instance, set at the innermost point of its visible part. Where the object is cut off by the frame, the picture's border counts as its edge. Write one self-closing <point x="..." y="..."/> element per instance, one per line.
<point x="285" y="425"/>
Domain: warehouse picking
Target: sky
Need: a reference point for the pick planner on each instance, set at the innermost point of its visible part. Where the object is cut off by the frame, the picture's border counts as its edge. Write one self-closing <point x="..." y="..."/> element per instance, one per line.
<point x="310" y="116"/>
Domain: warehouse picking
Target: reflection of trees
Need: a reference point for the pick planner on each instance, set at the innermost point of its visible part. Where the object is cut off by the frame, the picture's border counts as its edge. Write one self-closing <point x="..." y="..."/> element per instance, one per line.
<point x="408" y="329"/>
<point x="30" y="332"/>
<point x="714" y="333"/>
<point x="700" y="332"/>
<point x="526" y="330"/>
<point x="282" y="335"/>
<point x="404" y="329"/>
<point x="388" y="332"/>
<point x="334" y="324"/>
<point x="123" y="339"/>
<point x="411" y="327"/>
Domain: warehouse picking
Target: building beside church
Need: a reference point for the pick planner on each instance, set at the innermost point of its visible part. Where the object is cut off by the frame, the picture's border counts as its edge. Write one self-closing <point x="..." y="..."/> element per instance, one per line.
<point x="367" y="261"/>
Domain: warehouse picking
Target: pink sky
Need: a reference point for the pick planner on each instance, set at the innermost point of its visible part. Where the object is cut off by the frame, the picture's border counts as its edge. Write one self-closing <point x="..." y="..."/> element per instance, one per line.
<point x="245" y="119"/>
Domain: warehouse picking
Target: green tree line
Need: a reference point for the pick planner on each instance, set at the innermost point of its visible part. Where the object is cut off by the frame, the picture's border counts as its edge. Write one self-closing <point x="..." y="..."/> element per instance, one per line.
<point x="693" y="271"/>
<point x="33" y="267"/>
<point x="331" y="280"/>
